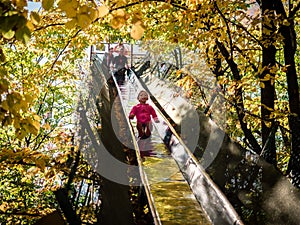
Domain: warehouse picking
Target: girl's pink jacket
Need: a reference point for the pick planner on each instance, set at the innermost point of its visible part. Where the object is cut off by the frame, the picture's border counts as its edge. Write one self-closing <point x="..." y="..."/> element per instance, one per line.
<point x="143" y="113"/>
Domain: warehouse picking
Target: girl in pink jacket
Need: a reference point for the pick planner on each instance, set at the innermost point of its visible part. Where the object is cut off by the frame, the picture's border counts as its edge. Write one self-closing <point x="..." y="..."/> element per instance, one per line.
<point x="143" y="113"/>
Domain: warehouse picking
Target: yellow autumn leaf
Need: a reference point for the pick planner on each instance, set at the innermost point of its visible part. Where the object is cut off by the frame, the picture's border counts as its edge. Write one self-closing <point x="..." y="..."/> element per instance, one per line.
<point x="248" y="98"/>
<point x="268" y="124"/>
<point x="117" y="22"/>
<point x="28" y="98"/>
<point x="24" y="179"/>
<point x="15" y="110"/>
<point x="16" y="96"/>
<point x="71" y="12"/>
<point x="10" y="102"/>
<point x="9" y="34"/>
<point x="46" y="126"/>
<point x="255" y="110"/>
<point x="83" y="9"/>
<point x="114" y="23"/>
<point x="62" y="4"/>
<point x="31" y="125"/>
<point x="47" y="4"/>
<point x="68" y="4"/>
<point x="103" y="11"/>
<point x="7" y="121"/>
<point x="2" y="59"/>
<point x="3" y="85"/>
<point x="50" y="173"/>
<point x="36" y="125"/>
<point x="26" y="151"/>
<point x="119" y="12"/>
<point x="93" y="14"/>
<point x="16" y="123"/>
<point x="83" y="20"/>
<point x="20" y="4"/>
<point x="34" y="128"/>
<point x="58" y="62"/>
<point x="268" y="108"/>
<point x="35" y="18"/>
<point x="40" y="163"/>
<point x="262" y="85"/>
<point x="286" y="22"/>
<point x="4" y="206"/>
<point x="30" y="26"/>
<point x="32" y="170"/>
<point x="27" y="128"/>
<point x="71" y="24"/>
<point x="138" y="15"/>
<point x="137" y="31"/>
<point x="36" y="117"/>
<point x="20" y="133"/>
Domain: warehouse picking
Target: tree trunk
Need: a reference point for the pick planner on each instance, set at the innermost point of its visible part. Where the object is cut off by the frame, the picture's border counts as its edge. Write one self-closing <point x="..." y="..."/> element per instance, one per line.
<point x="290" y="44"/>
<point x="268" y="89"/>
<point x="66" y="206"/>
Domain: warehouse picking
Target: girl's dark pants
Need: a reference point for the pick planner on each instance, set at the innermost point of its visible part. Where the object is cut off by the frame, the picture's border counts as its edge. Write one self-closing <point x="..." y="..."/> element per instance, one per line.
<point x="143" y="129"/>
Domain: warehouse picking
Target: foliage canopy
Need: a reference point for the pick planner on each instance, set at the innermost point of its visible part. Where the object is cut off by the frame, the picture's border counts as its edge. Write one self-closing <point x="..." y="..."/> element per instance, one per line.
<point x="249" y="46"/>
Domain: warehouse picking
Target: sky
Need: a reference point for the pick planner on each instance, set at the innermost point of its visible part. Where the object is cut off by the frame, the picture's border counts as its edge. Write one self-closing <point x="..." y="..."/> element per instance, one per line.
<point x="33" y="5"/>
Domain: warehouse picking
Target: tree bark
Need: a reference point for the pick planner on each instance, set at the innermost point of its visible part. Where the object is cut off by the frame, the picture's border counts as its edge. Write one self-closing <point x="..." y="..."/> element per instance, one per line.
<point x="268" y="89"/>
<point x="66" y="206"/>
<point x="290" y="45"/>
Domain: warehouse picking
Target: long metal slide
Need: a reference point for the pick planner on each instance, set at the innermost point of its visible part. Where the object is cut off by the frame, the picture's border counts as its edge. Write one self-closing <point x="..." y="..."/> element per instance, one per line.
<point x="178" y="189"/>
